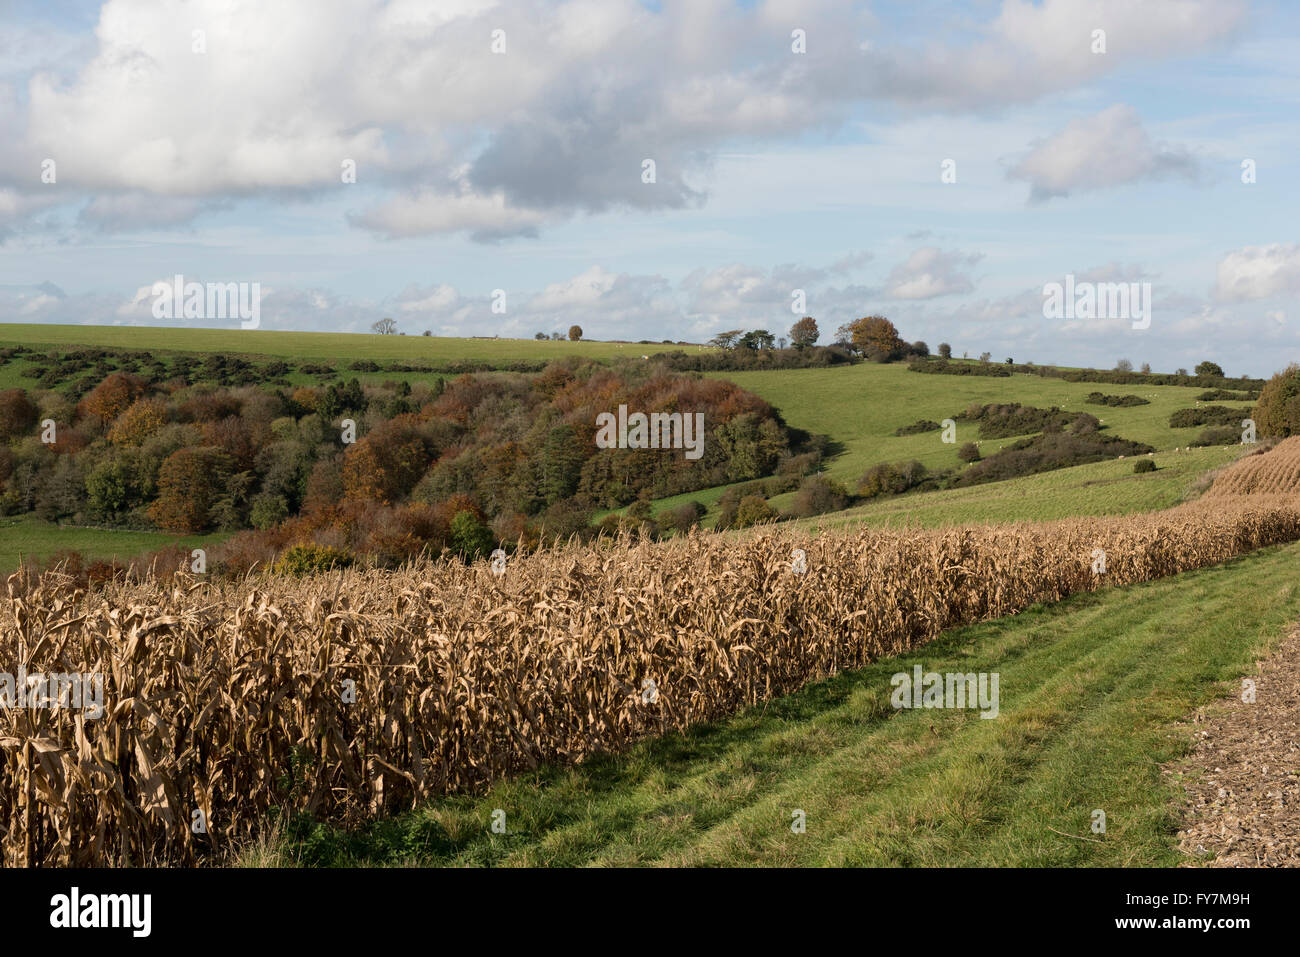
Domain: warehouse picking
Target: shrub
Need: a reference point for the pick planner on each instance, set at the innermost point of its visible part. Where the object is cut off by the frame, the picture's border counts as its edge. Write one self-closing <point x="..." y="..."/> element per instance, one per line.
<point x="917" y="427"/>
<point x="1227" y="395"/>
<point x="969" y="452"/>
<point x="1144" y="465"/>
<point x="1043" y="453"/>
<point x="1207" y="415"/>
<point x="309" y="559"/>
<point x="1217" y="435"/>
<point x="754" y="510"/>
<point x="1116" y="401"/>
<point x="1003" y="420"/>
<point x="891" y="479"/>
<point x="681" y="518"/>
<point x="818" y="495"/>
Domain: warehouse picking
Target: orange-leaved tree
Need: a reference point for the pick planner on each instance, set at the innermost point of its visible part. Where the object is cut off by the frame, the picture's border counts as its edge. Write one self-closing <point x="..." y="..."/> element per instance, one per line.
<point x="877" y="338"/>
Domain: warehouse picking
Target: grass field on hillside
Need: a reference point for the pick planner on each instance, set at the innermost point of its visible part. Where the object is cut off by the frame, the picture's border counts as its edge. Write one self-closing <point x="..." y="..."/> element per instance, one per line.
<point x="1098" y="488"/>
<point x="1089" y="691"/>
<point x="30" y="538"/>
<point x="338" y="346"/>
<point x="860" y="406"/>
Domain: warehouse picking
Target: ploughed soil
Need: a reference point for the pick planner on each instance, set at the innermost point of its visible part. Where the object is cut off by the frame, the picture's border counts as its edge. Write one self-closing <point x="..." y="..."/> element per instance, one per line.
<point x="1242" y="778"/>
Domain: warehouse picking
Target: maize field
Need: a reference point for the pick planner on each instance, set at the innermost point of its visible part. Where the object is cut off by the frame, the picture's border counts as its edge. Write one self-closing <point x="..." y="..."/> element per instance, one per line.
<point x="352" y="694"/>
<point x="1273" y="472"/>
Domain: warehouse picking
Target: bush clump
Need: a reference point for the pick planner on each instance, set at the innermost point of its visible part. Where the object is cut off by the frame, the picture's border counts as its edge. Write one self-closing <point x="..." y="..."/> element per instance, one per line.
<point x="1116" y="401"/>
<point x="1217" y="435"/>
<point x="1046" y="452"/>
<point x="1206" y="415"/>
<point x="892" y="478"/>
<point x="754" y="510"/>
<point x="817" y="496"/>
<point x="309" y="559"/>
<point x="1003" y="420"/>
<point x="918" y="427"/>
<point x="1143" y="465"/>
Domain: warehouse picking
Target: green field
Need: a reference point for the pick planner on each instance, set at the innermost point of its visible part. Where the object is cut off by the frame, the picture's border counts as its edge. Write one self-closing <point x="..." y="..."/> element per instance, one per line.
<point x="1090" y="691"/>
<point x="860" y="406"/>
<point x="315" y="346"/>
<point x="338" y="350"/>
<point x="1099" y="488"/>
<point x="29" y="538"/>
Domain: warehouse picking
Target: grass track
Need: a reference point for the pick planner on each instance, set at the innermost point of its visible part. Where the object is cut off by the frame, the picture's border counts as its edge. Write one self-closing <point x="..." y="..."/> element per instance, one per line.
<point x="1089" y="690"/>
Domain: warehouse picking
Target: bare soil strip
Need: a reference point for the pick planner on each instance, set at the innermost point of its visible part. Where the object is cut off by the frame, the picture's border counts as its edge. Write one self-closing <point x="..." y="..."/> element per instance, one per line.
<point x="1243" y="776"/>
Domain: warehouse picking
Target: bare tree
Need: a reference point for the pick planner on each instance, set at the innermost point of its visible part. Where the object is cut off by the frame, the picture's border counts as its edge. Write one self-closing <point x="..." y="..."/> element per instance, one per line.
<point x="384" y="327"/>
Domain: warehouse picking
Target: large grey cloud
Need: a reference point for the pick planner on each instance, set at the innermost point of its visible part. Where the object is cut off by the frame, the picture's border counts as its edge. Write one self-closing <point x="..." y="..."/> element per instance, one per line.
<point x="450" y="137"/>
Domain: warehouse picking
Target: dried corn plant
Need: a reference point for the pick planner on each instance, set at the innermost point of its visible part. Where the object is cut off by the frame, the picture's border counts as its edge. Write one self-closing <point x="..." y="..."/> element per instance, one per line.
<point x="1274" y="471"/>
<point x="350" y="694"/>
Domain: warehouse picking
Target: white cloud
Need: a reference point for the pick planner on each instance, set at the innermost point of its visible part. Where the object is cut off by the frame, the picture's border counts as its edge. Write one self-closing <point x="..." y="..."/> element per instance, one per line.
<point x="931" y="272"/>
<point x="1258" y="272"/>
<point x="449" y="137"/>
<point x="1095" y="152"/>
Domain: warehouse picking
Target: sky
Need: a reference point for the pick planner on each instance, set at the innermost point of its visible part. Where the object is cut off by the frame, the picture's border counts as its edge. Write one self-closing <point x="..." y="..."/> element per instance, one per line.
<point x="935" y="163"/>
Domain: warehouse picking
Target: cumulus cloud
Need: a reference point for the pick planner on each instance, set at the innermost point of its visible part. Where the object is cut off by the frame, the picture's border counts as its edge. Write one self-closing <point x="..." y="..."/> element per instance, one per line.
<point x="449" y="137"/>
<point x="116" y="211"/>
<point x="1258" y="272"/>
<point x="930" y="272"/>
<point x="1108" y="149"/>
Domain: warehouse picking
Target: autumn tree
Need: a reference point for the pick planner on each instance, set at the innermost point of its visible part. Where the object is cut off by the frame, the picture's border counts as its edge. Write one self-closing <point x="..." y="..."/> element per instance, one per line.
<point x="189" y="483"/>
<point x="877" y="338"/>
<point x="804" y="333"/>
<point x="386" y="463"/>
<point x="18" y="414"/>
<point x="575" y="333"/>
<point x="111" y="397"/>
<point x="142" y="419"/>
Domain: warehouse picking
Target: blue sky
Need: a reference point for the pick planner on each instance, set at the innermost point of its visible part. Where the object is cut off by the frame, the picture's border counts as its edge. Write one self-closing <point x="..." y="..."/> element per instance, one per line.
<point x="775" y="170"/>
